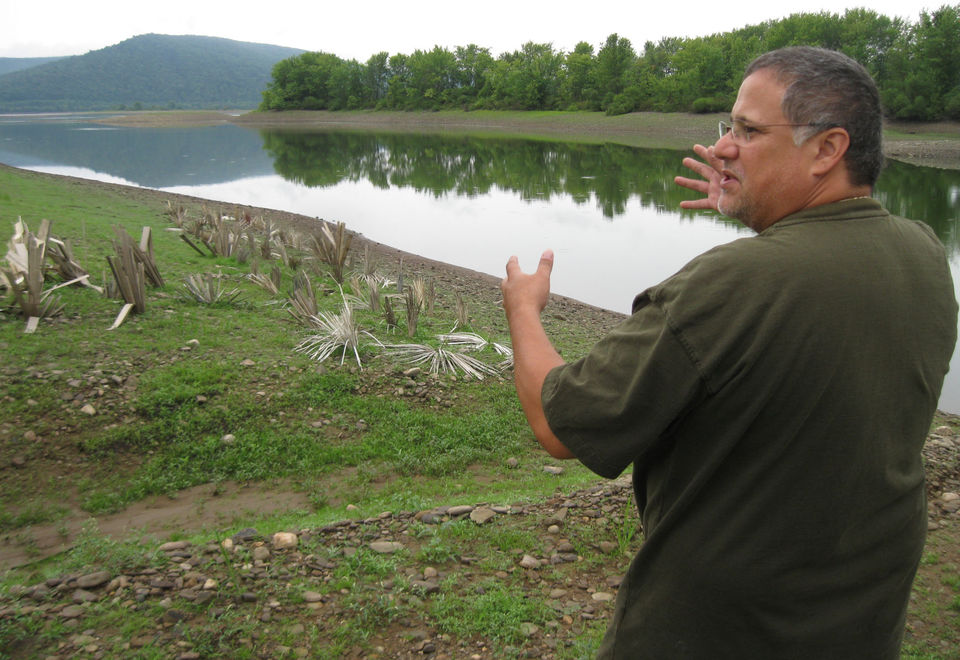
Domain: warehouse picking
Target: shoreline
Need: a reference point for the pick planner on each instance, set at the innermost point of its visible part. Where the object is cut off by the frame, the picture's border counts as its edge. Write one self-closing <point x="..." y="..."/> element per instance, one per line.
<point x="930" y="145"/>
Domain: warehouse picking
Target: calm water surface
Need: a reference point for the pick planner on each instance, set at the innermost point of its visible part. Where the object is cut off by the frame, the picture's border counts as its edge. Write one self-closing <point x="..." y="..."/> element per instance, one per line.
<point x="609" y="212"/>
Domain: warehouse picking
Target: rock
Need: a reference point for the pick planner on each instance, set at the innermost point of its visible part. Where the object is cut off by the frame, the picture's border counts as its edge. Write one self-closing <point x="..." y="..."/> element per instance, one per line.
<point x="553" y="469"/>
<point x="93" y="580"/>
<point x="530" y="562"/>
<point x="312" y="597"/>
<point x="71" y="611"/>
<point x="174" y="545"/>
<point x="83" y="596"/>
<point x="950" y="497"/>
<point x="386" y="547"/>
<point x="228" y="439"/>
<point x="459" y="510"/>
<point x="261" y="553"/>
<point x="245" y="535"/>
<point x="512" y="462"/>
<point x="247" y="363"/>
<point x="30" y="436"/>
<point x="553" y="529"/>
<point x="284" y="540"/>
<point x="481" y="515"/>
<point x="529" y="629"/>
<point x="602" y="596"/>
<point x="18" y="461"/>
<point x="88" y="410"/>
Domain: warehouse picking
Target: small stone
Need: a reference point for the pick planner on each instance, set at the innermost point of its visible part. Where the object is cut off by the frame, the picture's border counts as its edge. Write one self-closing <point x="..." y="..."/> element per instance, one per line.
<point x="228" y="439"/>
<point x="482" y="514"/>
<point x="247" y="363"/>
<point x="553" y="469"/>
<point x="193" y="342"/>
<point x="529" y="561"/>
<point x="607" y="547"/>
<point x="83" y="596"/>
<point x="174" y="545"/>
<point x="30" y="436"/>
<point x="71" y="611"/>
<point x="528" y="629"/>
<point x="459" y="510"/>
<point x="553" y="529"/>
<point x="312" y="597"/>
<point x="950" y="497"/>
<point x="602" y="596"/>
<point x="88" y="410"/>
<point x="227" y="544"/>
<point x="284" y="540"/>
<point x="209" y="584"/>
<point x="18" y="461"/>
<point x="386" y="547"/>
<point x="93" y="580"/>
<point x="261" y="553"/>
<point x="430" y="572"/>
<point x="512" y="462"/>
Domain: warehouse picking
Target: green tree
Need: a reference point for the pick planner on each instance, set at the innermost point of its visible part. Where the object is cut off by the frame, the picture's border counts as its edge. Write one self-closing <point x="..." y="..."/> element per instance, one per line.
<point x="615" y="66"/>
<point x="578" y="88"/>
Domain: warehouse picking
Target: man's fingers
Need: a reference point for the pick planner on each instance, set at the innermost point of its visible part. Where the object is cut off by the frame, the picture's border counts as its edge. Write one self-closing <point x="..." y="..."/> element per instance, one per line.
<point x="512" y="264"/>
<point x="698" y="185"/>
<point x="546" y="262"/>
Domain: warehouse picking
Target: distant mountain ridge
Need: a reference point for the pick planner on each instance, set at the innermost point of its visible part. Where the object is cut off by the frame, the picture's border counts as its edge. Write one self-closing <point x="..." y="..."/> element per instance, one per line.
<point x="11" y="64"/>
<point x="148" y="71"/>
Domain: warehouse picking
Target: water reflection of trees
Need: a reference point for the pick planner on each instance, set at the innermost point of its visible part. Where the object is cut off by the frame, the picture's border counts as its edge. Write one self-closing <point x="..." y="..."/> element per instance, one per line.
<point x="609" y="174"/>
<point x="923" y="193"/>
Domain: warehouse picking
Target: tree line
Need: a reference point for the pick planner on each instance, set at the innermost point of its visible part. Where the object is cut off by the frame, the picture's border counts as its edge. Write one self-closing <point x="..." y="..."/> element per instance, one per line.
<point x="916" y="66"/>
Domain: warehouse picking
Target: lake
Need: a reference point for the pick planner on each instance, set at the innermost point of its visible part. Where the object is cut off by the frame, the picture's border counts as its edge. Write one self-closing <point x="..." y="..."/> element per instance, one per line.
<point x="610" y="212"/>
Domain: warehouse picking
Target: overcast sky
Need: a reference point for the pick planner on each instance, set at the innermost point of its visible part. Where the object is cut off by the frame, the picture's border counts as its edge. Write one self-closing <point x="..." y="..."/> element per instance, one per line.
<point x="356" y="29"/>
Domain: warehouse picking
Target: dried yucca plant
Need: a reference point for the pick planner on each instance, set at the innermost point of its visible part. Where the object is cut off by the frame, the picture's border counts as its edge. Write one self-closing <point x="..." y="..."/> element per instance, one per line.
<point x="207" y="289"/>
<point x="463" y="316"/>
<point x="332" y="247"/>
<point x="302" y="303"/>
<point x="441" y="359"/>
<point x="335" y="332"/>
<point x="413" y="312"/>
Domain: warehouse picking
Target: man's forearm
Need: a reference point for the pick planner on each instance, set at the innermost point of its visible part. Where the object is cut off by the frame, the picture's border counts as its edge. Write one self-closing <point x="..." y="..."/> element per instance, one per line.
<point x="533" y="358"/>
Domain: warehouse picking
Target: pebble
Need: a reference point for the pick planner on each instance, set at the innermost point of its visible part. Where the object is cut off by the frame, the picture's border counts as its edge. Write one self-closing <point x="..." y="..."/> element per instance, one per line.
<point x="529" y="561"/>
<point x="553" y="469"/>
<point x="284" y="540"/>
<point x="482" y="514"/>
<point x="386" y="547"/>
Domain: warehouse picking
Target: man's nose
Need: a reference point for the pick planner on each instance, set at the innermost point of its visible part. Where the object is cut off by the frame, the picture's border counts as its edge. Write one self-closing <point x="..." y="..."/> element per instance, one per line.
<point x="725" y="148"/>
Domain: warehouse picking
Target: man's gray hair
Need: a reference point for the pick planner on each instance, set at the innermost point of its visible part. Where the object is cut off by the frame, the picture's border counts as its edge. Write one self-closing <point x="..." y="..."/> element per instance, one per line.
<point x="825" y="89"/>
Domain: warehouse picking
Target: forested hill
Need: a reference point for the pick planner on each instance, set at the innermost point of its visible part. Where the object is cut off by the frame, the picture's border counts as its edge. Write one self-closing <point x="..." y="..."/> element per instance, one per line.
<point x="10" y="64"/>
<point x="148" y="71"/>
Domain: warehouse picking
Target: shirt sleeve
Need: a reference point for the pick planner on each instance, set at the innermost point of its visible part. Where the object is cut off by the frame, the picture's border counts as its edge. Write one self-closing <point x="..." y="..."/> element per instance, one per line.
<point x="617" y="404"/>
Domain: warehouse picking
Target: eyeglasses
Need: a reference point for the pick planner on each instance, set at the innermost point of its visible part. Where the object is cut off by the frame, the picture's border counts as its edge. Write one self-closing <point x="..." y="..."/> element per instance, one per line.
<point x="741" y="131"/>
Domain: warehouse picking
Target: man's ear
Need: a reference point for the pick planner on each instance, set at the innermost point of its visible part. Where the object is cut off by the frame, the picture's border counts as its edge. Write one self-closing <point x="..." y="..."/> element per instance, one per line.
<point x="831" y="146"/>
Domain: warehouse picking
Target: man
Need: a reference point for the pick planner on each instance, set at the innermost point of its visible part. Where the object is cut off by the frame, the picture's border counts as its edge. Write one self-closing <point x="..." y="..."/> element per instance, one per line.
<point x="773" y="396"/>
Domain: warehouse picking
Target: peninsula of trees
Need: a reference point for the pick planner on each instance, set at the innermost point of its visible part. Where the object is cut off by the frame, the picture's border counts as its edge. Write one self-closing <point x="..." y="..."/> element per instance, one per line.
<point x="916" y="66"/>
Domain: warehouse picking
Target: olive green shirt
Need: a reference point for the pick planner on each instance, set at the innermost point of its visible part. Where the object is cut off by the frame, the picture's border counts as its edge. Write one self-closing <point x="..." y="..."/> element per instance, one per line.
<point x="773" y="396"/>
